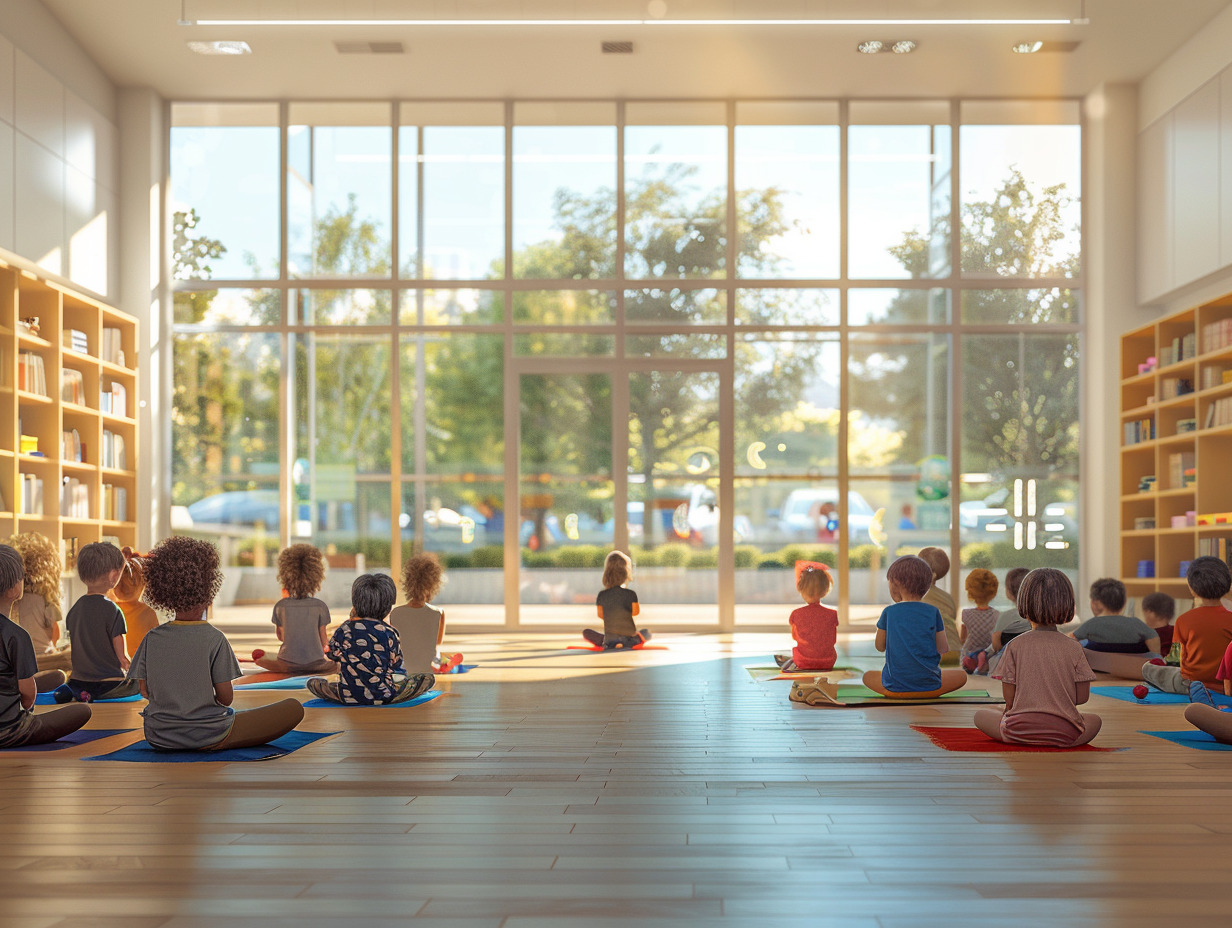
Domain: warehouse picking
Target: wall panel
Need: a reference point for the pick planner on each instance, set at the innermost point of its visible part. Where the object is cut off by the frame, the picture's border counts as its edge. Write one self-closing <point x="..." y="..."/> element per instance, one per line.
<point x="1155" y="210"/>
<point x="1196" y="204"/>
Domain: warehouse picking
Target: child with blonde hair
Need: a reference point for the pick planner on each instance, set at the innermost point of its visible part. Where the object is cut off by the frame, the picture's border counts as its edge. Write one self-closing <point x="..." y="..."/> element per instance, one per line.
<point x="38" y="610"/>
<point x="421" y="625"/>
<point x="975" y="634"/>
<point x="299" y="618"/>
<point x="1044" y="674"/>
<point x="617" y="605"/>
<point x="913" y="637"/>
<point x="813" y="626"/>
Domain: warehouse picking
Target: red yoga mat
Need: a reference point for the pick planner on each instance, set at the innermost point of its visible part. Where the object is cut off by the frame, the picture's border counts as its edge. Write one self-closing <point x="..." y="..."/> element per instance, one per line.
<point x="972" y="740"/>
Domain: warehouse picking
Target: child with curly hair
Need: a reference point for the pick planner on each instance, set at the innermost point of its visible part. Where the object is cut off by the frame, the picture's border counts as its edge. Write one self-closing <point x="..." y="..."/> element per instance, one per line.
<point x="975" y="635"/>
<point x="913" y="638"/>
<point x="813" y="626"/>
<point x="138" y="617"/>
<point x="96" y="626"/>
<point x="1044" y="674"/>
<point x="617" y="606"/>
<point x="19" y="726"/>
<point x="38" y="610"/>
<point x="300" y="619"/>
<point x="185" y="666"/>
<point x="421" y="625"/>
<point x="368" y="651"/>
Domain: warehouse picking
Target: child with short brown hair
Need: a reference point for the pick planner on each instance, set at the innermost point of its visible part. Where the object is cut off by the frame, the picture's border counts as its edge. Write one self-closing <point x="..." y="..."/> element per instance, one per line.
<point x="1044" y="674"/>
<point x="96" y="626"/>
<point x="300" y="619"/>
<point x="977" y="624"/>
<point x="913" y="637"/>
<point x="617" y="606"/>
<point x="1203" y="632"/>
<point x="813" y="626"/>
<point x="421" y="625"/>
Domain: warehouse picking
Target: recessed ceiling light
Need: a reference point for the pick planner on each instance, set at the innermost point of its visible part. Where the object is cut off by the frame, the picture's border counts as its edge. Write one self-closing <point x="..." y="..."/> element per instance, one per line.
<point x="870" y="47"/>
<point x="903" y="47"/>
<point x="1028" y="48"/>
<point x="220" y="48"/>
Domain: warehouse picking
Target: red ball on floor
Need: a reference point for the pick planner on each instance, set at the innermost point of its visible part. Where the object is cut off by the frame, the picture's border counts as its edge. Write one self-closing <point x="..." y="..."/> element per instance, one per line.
<point x="1140" y="691"/>
<point x="257" y="654"/>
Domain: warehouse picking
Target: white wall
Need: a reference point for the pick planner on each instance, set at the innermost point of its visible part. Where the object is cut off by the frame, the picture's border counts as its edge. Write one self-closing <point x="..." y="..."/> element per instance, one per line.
<point x="59" y="178"/>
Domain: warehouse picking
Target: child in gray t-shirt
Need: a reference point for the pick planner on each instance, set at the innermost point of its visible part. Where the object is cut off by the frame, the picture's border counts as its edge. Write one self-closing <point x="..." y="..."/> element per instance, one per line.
<point x="617" y="606"/>
<point x="300" y="619"/>
<point x="421" y="625"/>
<point x="185" y="667"/>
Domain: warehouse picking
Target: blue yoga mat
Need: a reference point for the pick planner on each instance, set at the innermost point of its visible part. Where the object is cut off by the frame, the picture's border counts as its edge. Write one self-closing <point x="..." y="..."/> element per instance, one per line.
<point x="1190" y="739"/>
<point x="81" y="736"/>
<point x="1154" y="697"/>
<point x="140" y="752"/>
<point x="290" y="683"/>
<point x="45" y="699"/>
<point x="417" y="701"/>
<point x="461" y="668"/>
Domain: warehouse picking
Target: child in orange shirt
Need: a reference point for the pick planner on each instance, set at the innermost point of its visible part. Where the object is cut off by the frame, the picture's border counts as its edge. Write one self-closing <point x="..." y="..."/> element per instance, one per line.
<point x="813" y="626"/>
<point x="1203" y="632"/>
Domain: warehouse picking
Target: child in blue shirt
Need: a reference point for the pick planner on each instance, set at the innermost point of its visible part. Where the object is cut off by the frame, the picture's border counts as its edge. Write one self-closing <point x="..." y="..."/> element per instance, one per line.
<point x="912" y="635"/>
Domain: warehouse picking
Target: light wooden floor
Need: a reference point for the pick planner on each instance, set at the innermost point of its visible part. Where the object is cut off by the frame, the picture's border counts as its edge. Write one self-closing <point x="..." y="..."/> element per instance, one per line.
<point x="661" y="788"/>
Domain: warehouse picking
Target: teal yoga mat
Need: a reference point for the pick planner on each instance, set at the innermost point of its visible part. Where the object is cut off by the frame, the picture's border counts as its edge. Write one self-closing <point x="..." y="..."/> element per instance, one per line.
<point x="1190" y="739"/>
<point x="140" y="752"/>
<point x="1154" y="697"/>
<point x="45" y="699"/>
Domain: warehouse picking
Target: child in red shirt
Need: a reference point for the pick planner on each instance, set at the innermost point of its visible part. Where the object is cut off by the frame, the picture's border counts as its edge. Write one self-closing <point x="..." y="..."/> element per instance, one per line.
<point x="814" y="626"/>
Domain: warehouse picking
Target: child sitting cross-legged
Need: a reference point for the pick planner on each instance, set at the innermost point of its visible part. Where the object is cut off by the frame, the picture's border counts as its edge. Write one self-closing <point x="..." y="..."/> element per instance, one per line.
<point x="813" y="626"/>
<point x="1203" y="632"/>
<point x="978" y="623"/>
<point x="912" y="635"/>
<point x="96" y="627"/>
<point x="300" y="619"/>
<point x="185" y="667"/>
<point x="617" y="606"/>
<point x="38" y="610"/>
<point x="1115" y="643"/>
<point x="19" y="726"/>
<point x="368" y="652"/>
<point x="1044" y="674"/>
<point x="1158" y="610"/>
<point x="421" y="625"/>
<point x="1202" y="712"/>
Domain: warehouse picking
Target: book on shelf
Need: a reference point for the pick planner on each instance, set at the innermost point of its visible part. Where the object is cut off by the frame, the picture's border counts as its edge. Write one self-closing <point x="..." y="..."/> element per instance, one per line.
<point x="1172" y="387"/>
<point x="115" y="503"/>
<point x="72" y="386"/>
<point x="1140" y="431"/>
<point x="113" y="351"/>
<point x="1213" y="547"/>
<point x="76" y="340"/>
<point x="1181" y="348"/>
<point x="1184" y="426"/>
<point x="31" y="495"/>
<point x="1219" y="413"/>
<point x="29" y="444"/>
<point x="1181" y="472"/>
<point x="31" y="373"/>
<point x="74" y="499"/>
<point x="1217" y="334"/>
<point x="114" y="400"/>
<point x="73" y="449"/>
<point x="1215" y="376"/>
<point x="114" y="451"/>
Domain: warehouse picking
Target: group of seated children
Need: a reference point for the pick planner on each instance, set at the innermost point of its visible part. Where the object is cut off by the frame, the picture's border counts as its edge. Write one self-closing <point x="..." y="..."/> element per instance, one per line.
<point x="185" y="667"/>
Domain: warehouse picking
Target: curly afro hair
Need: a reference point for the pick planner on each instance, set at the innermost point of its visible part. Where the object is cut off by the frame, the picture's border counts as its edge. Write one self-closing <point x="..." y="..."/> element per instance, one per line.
<point x="981" y="585"/>
<point x="41" y="558"/>
<point x="301" y="570"/>
<point x="421" y="578"/>
<point x="182" y="575"/>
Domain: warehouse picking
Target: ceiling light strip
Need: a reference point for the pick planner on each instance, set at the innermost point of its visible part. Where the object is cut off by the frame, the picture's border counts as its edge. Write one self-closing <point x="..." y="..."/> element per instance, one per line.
<point x="635" y="22"/>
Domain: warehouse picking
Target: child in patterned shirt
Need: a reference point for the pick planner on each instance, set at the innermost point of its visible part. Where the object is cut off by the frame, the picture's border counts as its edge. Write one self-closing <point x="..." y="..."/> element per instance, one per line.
<point x="368" y="652"/>
<point x="978" y="623"/>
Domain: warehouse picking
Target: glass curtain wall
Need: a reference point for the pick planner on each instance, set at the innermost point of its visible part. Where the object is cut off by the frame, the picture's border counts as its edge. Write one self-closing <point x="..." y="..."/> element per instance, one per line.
<point x="726" y="336"/>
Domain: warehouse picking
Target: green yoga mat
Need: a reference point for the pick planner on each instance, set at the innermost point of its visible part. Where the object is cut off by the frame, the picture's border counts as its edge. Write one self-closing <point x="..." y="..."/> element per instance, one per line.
<point x="863" y="696"/>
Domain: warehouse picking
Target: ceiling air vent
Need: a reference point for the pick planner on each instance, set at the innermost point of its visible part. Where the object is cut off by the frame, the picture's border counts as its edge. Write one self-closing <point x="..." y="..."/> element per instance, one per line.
<point x="369" y="48"/>
<point x="617" y="48"/>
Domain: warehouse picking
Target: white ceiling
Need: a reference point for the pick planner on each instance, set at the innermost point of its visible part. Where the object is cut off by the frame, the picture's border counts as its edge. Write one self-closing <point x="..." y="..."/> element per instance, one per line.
<point x="138" y="43"/>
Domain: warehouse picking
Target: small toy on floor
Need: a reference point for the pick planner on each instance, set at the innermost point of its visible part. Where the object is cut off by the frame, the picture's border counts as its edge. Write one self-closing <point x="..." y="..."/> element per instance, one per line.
<point x="1140" y="691"/>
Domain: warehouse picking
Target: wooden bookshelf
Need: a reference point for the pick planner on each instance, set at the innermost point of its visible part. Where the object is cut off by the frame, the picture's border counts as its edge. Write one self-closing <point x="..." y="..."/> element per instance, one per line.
<point x="1176" y="420"/>
<point x="68" y="378"/>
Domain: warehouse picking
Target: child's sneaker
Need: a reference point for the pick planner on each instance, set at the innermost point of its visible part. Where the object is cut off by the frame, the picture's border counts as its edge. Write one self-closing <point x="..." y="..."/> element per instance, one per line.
<point x="969" y="663"/>
<point x="645" y="634"/>
<point x="1200" y="694"/>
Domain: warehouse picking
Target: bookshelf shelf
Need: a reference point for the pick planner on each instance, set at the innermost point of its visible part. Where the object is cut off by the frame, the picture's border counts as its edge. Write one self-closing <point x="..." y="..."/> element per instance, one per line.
<point x="1184" y="408"/>
<point x="72" y="364"/>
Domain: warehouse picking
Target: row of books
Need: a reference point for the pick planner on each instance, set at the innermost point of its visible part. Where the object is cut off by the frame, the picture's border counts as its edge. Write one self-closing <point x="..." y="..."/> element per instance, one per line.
<point x="1213" y="547"/>
<point x="31" y="373"/>
<point x="76" y="340"/>
<point x="1219" y="413"/>
<point x="1172" y="387"/>
<point x="71" y="446"/>
<point x="1181" y="348"/>
<point x="113" y="341"/>
<point x="114" y="399"/>
<point x="1215" y="377"/>
<point x="31" y="495"/>
<point x="1181" y="470"/>
<point x="1216" y="335"/>
<point x="114" y="451"/>
<point x="74" y="499"/>
<point x="1140" y="431"/>
<point x="72" y="386"/>
<point x="115" y="503"/>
